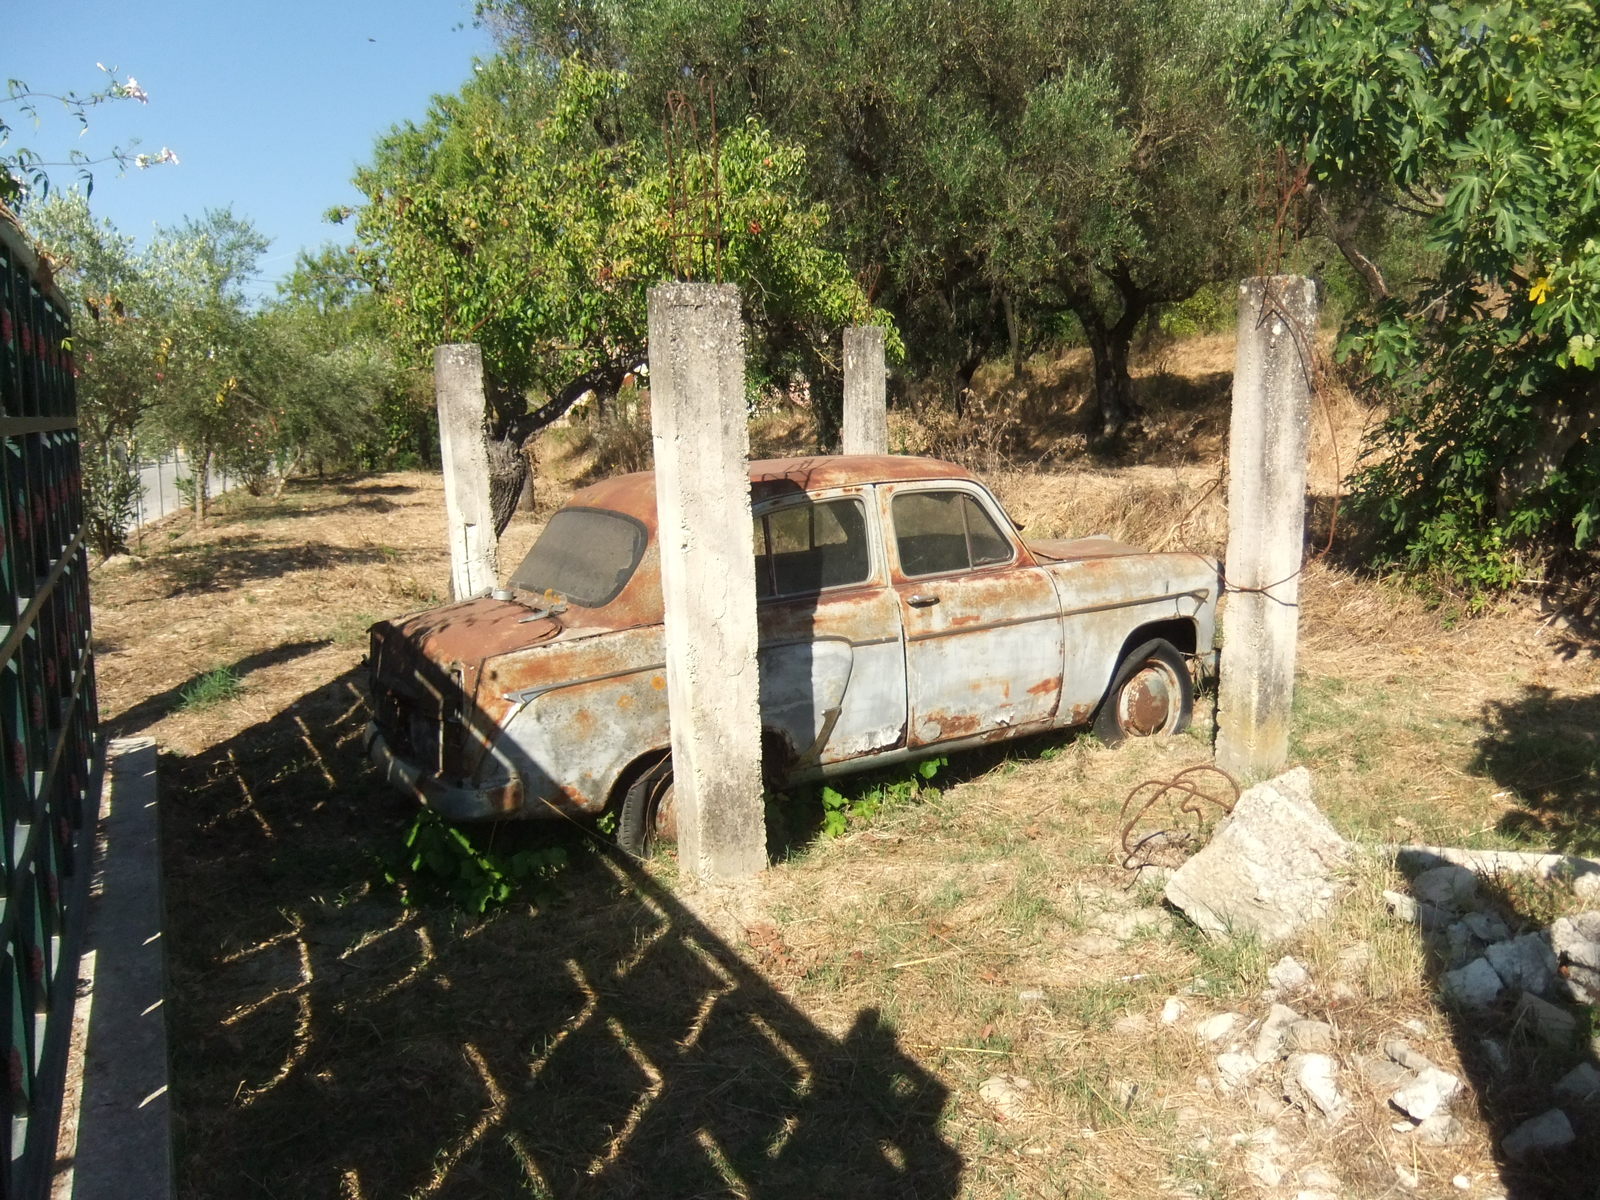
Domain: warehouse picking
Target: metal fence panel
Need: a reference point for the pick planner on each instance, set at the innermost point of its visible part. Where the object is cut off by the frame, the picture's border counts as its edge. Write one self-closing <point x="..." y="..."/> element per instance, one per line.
<point x="49" y="735"/>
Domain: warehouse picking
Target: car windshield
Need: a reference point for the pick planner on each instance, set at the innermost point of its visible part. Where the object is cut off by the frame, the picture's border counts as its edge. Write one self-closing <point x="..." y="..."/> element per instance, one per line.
<point x="587" y="555"/>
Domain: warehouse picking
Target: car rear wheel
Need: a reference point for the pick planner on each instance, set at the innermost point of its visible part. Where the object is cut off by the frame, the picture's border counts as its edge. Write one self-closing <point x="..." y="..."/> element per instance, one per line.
<point x="647" y="820"/>
<point x="1151" y="695"/>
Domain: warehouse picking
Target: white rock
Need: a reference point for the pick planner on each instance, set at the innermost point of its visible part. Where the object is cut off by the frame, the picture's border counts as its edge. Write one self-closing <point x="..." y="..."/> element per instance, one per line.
<point x="1312" y="1082"/>
<point x="1310" y="1036"/>
<point x="1272" y="867"/>
<point x="1008" y="1094"/>
<point x="1525" y="962"/>
<point x="1321" y="1179"/>
<point x="1401" y="1052"/>
<point x="1353" y="959"/>
<point x="1442" y="1129"/>
<point x="1289" y="975"/>
<point x="1172" y="1011"/>
<point x="1581" y="1084"/>
<point x="1408" y="1178"/>
<point x="1031" y="996"/>
<point x="1476" y="985"/>
<point x="1548" y="1131"/>
<point x="1263" y="1166"/>
<point x="1428" y="1092"/>
<point x="1219" y="1028"/>
<point x="1402" y="906"/>
<point x="1235" y="1069"/>
<point x="1462" y="1183"/>
<point x="1576" y="941"/>
<point x="1446" y="886"/>
<point x="1380" y="1072"/>
<point x="1274" y="1032"/>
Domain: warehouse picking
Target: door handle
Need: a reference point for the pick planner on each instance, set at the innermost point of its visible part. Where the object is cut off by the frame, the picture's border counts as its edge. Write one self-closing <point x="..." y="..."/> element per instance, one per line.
<point x="921" y="600"/>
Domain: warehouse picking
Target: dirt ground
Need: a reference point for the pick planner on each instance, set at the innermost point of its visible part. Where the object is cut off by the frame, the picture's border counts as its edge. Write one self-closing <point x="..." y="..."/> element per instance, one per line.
<point x="836" y="1029"/>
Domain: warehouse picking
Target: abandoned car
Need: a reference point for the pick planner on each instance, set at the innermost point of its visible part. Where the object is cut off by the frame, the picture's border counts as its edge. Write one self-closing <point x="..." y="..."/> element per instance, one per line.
<point x="900" y="615"/>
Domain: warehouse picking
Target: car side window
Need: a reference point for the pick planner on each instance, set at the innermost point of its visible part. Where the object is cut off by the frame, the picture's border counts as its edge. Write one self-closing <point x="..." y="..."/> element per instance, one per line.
<point x="808" y="547"/>
<point x="939" y="532"/>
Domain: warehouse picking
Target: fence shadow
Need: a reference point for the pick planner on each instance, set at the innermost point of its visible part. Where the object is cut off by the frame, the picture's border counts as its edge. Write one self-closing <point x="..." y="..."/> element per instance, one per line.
<point x="331" y="1042"/>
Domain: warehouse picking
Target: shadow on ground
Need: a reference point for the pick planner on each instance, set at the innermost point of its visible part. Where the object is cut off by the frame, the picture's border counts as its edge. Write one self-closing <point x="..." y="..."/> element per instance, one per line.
<point x="331" y="1042"/>
<point x="1517" y="1048"/>
<point x="155" y="708"/>
<point x="1544" y="748"/>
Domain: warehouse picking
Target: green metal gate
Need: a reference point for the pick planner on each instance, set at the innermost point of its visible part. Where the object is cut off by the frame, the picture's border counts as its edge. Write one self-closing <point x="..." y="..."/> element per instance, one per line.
<point x="49" y="741"/>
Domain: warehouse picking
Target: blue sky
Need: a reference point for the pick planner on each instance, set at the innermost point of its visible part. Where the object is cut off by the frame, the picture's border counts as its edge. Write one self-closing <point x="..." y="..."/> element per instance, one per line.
<point x="270" y="107"/>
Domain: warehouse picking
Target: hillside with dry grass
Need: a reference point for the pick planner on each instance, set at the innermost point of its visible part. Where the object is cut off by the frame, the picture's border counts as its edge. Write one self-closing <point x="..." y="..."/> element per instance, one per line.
<point x="834" y="1030"/>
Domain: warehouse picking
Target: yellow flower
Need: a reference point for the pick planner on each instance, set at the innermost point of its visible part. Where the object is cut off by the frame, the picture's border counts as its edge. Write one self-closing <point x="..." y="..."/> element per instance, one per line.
<point x="1540" y="291"/>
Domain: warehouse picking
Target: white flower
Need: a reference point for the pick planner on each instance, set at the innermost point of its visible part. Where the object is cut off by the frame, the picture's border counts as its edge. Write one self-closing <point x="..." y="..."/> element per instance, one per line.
<point x="132" y="91"/>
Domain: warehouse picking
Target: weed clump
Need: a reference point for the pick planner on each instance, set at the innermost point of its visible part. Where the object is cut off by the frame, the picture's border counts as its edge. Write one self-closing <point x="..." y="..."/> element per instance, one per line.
<point x="209" y="690"/>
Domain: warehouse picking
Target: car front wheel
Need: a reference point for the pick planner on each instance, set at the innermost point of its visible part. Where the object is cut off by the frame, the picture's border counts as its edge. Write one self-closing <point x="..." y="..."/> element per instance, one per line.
<point x="646" y="820"/>
<point x="1150" y="695"/>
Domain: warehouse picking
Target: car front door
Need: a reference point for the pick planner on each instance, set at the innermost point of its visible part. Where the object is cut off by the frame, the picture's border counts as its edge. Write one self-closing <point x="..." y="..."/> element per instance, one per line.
<point x="982" y="623"/>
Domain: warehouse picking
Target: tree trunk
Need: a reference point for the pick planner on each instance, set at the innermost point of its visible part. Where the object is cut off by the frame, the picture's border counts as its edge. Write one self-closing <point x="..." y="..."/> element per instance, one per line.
<point x="1013" y="334"/>
<point x="202" y="486"/>
<point x="1113" y="388"/>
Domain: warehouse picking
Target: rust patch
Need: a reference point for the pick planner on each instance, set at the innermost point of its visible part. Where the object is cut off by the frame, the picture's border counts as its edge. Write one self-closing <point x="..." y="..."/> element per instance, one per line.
<point x="658" y="682"/>
<point x="1044" y="687"/>
<point x="625" y="701"/>
<point x="969" y="619"/>
<point x="954" y="727"/>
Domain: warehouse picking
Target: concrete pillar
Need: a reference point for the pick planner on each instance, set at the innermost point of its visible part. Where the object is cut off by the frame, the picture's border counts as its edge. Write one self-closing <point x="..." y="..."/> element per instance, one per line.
<point x="708" y="588"/>
<point x="866" y="412"/>
<point x="458" y="385"/>
<point x="1266" y="521"/>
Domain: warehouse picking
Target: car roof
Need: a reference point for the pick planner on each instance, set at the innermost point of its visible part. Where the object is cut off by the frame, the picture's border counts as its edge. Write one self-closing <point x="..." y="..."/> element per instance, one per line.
<point x="635" y="494"/>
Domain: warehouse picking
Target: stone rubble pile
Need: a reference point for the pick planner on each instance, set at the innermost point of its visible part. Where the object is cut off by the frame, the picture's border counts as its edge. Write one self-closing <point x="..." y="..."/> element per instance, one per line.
<point x="1515" y="985"/>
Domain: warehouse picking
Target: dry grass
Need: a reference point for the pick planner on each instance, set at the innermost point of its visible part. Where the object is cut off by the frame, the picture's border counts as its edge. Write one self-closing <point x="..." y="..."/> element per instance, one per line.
<point x="827" y="1031"/>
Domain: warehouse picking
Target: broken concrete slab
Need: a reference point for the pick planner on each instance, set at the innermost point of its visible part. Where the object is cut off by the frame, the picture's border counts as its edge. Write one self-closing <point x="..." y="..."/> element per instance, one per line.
<point x="1271" y="868"/>
<point x="1476" y="985"/>
<point x="1548" y="1131"/>
<point x="1525" y="962"/>
<point x="1581" y="1084"/>
<point x="1219" y="1028"/>
<point x="1446" y="886"/>
<point x="1583" y="873"/>
<point x="1442" y="1129"/>
<point x="1543" y="1021"/>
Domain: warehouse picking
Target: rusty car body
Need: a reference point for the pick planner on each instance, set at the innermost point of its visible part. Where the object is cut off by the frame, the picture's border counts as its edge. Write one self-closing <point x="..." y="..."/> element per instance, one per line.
<point x="900" y="615"/>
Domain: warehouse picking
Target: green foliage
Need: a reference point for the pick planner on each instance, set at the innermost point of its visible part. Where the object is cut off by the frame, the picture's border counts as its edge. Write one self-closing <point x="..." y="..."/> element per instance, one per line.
<point x="209" y="690"/>
<point x="863" y="797"/>
<point x="987" y="167"/>
<point x="520" y="216"/>
<point x="448" y="863"/>
<point x="1479" y="121"/>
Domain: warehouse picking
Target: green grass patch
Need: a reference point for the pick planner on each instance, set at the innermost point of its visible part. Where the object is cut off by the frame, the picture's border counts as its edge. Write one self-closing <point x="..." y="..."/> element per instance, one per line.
<point x="209" y="690"/>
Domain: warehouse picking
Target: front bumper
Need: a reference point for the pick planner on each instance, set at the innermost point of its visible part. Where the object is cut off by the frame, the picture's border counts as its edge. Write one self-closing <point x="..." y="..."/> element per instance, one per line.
<point x="458" y="802"/>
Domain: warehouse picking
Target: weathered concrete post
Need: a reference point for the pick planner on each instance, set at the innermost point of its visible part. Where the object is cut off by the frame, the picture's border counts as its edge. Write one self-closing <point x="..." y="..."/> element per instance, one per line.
<point x="458" y="386"/>
<point x="866" y="413"/>
<point x="708" y="579"/>
<point x="1266" y="521"/>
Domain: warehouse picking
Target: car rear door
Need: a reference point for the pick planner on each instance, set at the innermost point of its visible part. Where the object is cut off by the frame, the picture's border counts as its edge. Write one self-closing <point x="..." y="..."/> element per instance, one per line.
<point x="833" y="683"/>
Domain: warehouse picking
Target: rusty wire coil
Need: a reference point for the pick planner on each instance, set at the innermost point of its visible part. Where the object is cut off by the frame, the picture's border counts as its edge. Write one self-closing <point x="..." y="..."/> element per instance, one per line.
<point x="1195" y="791"/>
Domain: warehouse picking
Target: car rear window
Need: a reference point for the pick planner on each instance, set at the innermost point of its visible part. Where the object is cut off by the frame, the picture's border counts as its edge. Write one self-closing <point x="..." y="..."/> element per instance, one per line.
<point x="808" y="547"/>
<point x="585" y="554"/>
